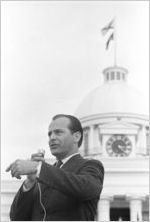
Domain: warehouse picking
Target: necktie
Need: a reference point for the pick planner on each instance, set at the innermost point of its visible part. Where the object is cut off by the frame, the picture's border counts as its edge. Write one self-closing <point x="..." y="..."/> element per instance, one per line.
<point x="58" y="163"/>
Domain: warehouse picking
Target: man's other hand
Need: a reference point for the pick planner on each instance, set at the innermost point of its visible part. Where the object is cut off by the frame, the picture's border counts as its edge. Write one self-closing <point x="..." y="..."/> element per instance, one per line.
<point x="22" y="167"/>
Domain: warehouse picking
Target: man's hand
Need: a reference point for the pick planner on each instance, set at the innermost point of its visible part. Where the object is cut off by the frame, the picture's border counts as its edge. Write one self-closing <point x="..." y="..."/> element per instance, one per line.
<point x="35" y="157"/>
<point x="22" y="167"/>
<point x="31" y="178"/>
<point x="38" y="157"/>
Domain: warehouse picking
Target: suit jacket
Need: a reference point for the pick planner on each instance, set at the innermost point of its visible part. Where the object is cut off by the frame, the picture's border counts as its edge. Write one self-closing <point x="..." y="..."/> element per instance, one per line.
<point x="70" y="193"/>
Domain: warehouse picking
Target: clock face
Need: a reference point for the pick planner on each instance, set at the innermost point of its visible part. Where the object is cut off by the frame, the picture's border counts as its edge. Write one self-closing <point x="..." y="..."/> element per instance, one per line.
<point x="119" y="145"/>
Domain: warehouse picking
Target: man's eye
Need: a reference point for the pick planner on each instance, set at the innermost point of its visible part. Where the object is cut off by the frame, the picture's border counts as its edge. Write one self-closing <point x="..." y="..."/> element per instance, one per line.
<point x="49" y="133"/>
<point x="58" y="132"/>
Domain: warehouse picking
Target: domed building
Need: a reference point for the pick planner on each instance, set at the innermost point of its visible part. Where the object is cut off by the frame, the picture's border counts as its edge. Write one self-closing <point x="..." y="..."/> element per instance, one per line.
<point x="116" y="131"/>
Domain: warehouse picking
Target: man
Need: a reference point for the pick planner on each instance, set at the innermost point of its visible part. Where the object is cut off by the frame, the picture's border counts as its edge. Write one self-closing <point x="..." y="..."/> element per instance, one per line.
<point x="69" y="192"/>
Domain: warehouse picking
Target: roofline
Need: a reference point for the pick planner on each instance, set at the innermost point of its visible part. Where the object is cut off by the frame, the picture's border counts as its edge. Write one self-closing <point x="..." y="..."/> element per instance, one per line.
<point x="114" y="68"/>
<point x="114" y="114"/>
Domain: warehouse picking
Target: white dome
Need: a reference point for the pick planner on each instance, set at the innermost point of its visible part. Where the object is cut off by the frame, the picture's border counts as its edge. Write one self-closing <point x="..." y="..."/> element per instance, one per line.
<point x="113" y="97"/>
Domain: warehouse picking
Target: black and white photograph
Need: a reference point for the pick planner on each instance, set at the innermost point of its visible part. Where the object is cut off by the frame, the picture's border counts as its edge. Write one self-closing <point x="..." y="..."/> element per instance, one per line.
<point x="75" y="137"/>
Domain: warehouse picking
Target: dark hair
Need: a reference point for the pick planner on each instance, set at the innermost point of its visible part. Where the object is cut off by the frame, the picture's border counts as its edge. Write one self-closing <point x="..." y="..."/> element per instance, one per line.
<point x="74" y="126"/>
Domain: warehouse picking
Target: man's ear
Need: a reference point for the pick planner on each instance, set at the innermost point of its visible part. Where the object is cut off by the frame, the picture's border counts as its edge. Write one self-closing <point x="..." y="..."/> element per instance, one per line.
<point x="77" y="136"/>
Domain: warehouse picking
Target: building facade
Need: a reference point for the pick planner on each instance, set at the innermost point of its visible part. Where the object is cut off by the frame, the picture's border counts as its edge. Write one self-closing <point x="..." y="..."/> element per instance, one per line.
<point x="116" y="131"/>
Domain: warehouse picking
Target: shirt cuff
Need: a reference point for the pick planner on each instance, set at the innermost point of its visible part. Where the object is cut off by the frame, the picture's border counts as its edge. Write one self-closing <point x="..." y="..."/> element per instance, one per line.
<point x="25" y="189"/>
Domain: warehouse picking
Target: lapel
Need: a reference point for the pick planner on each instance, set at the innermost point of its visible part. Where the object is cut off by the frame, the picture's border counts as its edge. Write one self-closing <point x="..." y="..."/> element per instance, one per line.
<point x="74" y="163"/>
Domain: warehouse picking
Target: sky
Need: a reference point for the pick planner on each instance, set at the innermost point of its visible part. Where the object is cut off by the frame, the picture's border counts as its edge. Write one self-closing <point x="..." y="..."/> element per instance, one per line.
<point x="53" y="54"/>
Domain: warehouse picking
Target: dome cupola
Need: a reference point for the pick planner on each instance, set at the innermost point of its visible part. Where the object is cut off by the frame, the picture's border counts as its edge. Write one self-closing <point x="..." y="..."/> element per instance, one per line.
<point x="115" y="74"/>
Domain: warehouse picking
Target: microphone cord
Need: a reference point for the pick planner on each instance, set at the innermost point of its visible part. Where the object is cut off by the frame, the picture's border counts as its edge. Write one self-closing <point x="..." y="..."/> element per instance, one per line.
<point x="41" y="201"/>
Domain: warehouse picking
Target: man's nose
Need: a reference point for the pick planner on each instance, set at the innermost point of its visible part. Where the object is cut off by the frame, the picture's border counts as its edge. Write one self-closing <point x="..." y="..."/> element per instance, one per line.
<point x="52" y="136"/>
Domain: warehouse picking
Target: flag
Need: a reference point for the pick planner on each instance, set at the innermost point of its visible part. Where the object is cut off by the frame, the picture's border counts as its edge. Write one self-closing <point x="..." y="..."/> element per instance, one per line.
<point x="108" y="27"/>
<point x="108" y="41"/>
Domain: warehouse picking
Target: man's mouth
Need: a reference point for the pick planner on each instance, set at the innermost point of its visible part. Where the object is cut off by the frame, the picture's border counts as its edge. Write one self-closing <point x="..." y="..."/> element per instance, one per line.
<point x="53" y="145"/>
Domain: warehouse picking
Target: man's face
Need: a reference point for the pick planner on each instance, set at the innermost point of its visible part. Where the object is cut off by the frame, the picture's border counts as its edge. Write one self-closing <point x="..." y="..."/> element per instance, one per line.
<point x="61" y="140"/>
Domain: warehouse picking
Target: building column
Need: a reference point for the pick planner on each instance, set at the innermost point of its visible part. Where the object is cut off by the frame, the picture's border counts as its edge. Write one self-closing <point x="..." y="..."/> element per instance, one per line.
<point x="85" y="141"/>
<point x="142" y="146"/>
<point x="91" y="139"/>
<point x="100" y="139"/>
<point x="82" y="147"/>
<point x="104" y="208"/>
<point x="135" y="208"/>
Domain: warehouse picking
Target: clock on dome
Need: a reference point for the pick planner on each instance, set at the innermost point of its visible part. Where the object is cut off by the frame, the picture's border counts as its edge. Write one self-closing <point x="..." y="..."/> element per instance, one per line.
<point x="118" y="146"/>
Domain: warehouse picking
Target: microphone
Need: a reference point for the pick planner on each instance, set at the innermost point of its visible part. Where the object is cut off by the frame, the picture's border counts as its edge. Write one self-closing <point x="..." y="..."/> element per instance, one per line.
<point x="41" y="152"/>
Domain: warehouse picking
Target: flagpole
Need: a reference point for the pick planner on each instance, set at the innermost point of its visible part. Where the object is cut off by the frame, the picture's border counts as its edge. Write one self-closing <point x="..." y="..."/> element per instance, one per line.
<point x="115" y="43"/>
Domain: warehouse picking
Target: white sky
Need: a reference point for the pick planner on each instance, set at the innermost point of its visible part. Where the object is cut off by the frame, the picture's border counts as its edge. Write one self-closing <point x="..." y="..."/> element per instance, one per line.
<point x="53" y="53"/>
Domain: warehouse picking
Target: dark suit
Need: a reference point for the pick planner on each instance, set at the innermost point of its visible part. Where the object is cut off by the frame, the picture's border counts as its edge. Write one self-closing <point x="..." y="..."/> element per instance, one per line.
<point x="70" y="193"/>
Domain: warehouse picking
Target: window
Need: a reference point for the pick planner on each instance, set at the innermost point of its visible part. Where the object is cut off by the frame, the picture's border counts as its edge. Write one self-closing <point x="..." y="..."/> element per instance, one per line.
<point x="118" y="75"/>
<point x="107" y="76"/>
<point x="112" y="75"/>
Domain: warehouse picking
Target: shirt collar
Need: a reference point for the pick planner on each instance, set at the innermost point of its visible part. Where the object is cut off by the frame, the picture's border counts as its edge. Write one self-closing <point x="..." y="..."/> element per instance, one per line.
<point x="68" y="158"/>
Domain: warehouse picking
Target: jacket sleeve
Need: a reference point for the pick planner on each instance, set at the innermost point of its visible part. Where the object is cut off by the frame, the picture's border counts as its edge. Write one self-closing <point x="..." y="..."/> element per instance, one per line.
<point x="84" y="185"/>
<point x="21" y="207"/>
